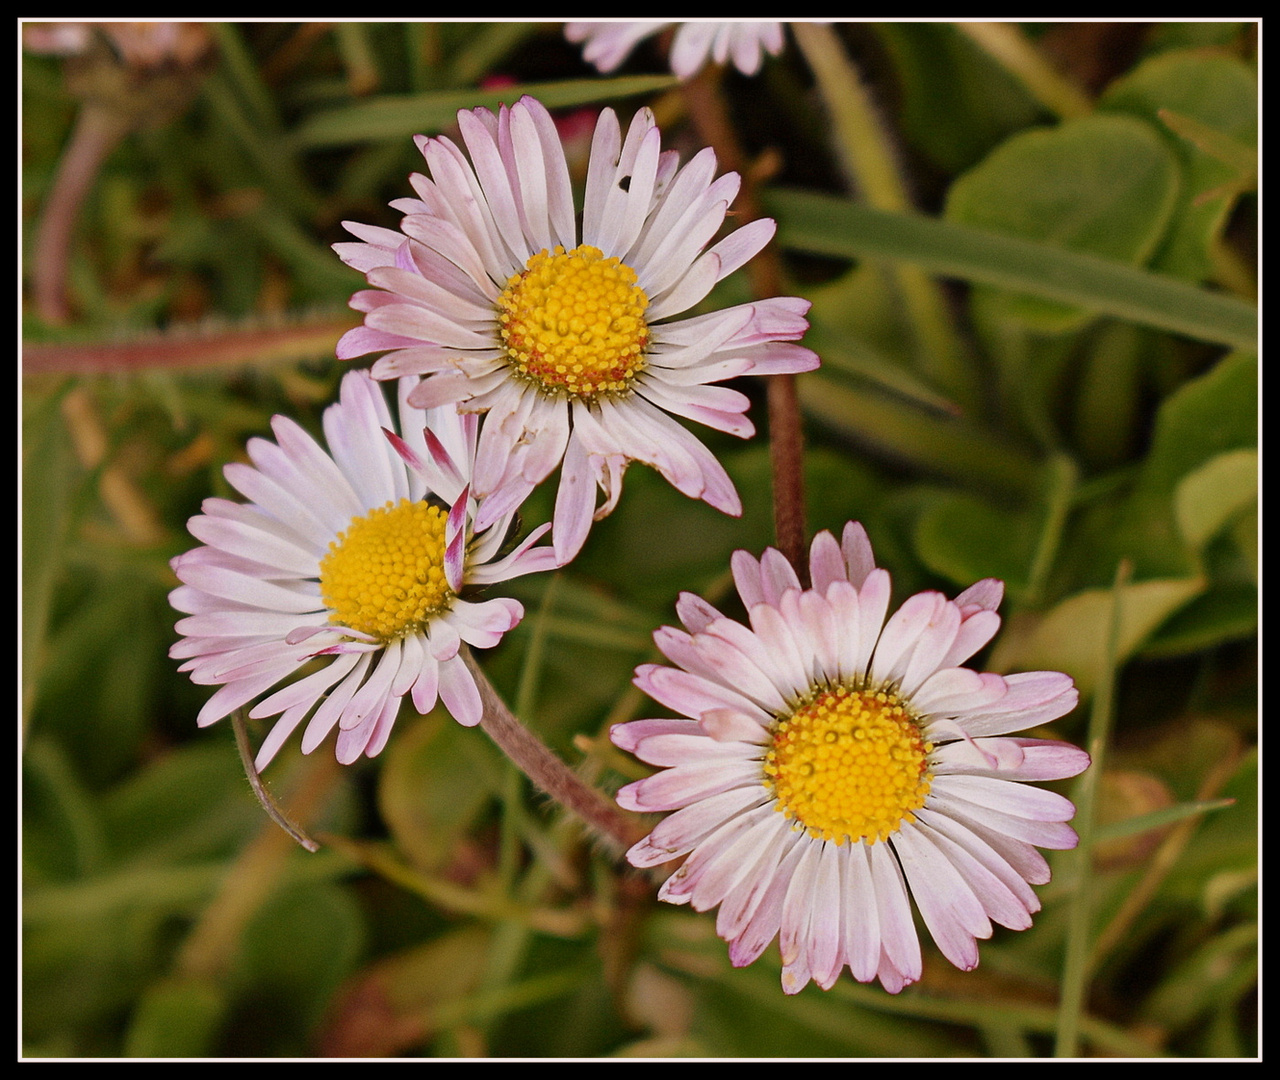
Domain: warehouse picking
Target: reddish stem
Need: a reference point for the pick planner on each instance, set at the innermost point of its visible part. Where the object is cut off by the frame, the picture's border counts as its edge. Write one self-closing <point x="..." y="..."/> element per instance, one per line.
<point x="552" y="775"/>
<point x="786" y="438"/>
<point x="97" y="132"/>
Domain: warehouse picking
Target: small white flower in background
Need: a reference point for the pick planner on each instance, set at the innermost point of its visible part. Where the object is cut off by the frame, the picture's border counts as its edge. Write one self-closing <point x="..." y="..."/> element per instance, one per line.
<point x="358" y="557"/>
<point x="571" y="346"/>
<point x="744" y="44"/>
<point x="834" y="763"/>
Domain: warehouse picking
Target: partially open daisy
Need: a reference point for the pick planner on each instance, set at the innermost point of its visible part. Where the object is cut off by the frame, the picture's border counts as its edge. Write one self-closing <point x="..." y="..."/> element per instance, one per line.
<point x="834" y="763"/>
<point x="744" y="44"/>
<point x="570" y="345"/>
<point x="347" y="569"/>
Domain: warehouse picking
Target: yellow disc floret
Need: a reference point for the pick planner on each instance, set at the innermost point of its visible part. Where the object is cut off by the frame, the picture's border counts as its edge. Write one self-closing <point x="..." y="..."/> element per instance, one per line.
<point x="573" y="322"/>
<point x="848" y="765"/>
<point x="385" y="574"/>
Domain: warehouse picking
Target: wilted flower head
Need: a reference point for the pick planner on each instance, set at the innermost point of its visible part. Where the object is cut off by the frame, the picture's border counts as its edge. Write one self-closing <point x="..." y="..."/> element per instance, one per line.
<point x="744" y="44"/>
<point x="570" y="343"/>
<point x="347" y="570"/>
<point x="833" y="763"/>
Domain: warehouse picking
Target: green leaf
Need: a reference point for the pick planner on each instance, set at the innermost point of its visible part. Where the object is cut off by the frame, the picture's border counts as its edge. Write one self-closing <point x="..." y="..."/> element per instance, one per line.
<point x="1205" y="417"/>
<point x="62" y="830"/>
<point x="1228" y="612"/>
<point x="191" y="803"/>
<point x="295" y="953"/>
<point x="1071" y="637"/>
<point x="827" y="225"/>
<point x="49" y="486"/>
<point x="1207" y="499"/>
<point x="944" y="446"/>
<point x="957" y="103"/>
<point x="1109" y="410"/>
<point x="1223" y="968"/>
<point x="435" y="780"/>
<point x="403" y="116"/>
<point x="966" y="539"/>
<point x="176" y="1018"/>
<point x="1102" y="185"/>
<point x="1213" y="91"/>
<point x="1157" y="819"/>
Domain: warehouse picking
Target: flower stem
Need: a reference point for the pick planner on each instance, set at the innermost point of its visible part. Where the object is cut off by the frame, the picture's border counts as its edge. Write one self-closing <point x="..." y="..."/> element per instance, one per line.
<point x="260" y="789"/>
<point x="97" y="132"/>
<point x="1074" y="987"/>
<point x="786" y="453"/>
<point x="546" y="770"/>
<point x="786" y="440"/>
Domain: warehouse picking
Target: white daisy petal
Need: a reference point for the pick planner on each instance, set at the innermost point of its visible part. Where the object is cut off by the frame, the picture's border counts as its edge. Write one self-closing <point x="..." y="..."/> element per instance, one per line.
<point x="830" y="766"/>
<point x="678" y="833"/>
<point x="459" y="692"/>
<point x="284" y="581"/>
<point x="861" y="915"/>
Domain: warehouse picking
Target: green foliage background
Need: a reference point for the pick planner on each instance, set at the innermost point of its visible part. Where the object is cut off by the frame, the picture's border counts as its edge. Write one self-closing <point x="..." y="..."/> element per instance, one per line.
<point x="1042" y="371"/>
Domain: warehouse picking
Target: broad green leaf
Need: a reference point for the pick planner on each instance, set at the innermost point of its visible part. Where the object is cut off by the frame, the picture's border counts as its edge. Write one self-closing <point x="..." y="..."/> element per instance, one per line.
<point x="1205" y="417"/>
<point x="294" y="954"/>
<point x="1105" y="185"/>
<point x="63" y="837"/>
<point x="1213" y="414"/>
<point x="1245" y="534"/>
<point x="191" y="803"/>
<point x="102" y="721"/>
<point x="434" y="782"/>
<point x="1109" y="392"/>
<point x="1072" y="636"/>
<point x="1208" y="498"/>
<point x="176" y="1018"/>
<point x="1218" y="91"/>
<point x="957" y="103"/>
<point x="966" y="539"/>
<point x="1228" y="612"/>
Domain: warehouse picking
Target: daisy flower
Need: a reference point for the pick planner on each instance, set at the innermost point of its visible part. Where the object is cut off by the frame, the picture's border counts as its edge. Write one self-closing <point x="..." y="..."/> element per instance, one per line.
<point x="347" y="569"/>
<point x="608" y="44"/>
<point x="833" y="763"/>
<point x="571" y="347"/>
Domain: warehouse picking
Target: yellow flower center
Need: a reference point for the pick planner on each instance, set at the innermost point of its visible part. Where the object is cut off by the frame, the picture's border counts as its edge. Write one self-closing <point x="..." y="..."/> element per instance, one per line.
<point x="573" y="323"/>
<point x="849" y="765"/>
<point x="385" y="574"/>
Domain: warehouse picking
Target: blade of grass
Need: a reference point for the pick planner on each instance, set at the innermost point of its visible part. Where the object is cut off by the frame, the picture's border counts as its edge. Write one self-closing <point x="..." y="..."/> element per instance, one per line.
<point x="403" y="116"/>
<point x="944" y="445"/>
<point x="1075" y="973"/>
<point x="827" y="225"/>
